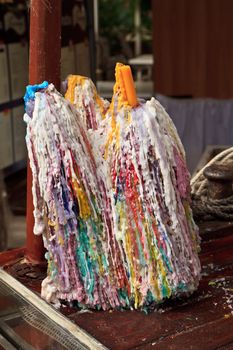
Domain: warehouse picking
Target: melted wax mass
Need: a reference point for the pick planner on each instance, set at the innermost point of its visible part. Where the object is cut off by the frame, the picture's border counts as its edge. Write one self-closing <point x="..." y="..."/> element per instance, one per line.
<point x="112" y="198"/>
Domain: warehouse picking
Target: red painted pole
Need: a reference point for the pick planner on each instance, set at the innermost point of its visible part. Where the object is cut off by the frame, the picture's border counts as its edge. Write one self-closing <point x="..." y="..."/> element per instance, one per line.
<point x="44" y="64"/>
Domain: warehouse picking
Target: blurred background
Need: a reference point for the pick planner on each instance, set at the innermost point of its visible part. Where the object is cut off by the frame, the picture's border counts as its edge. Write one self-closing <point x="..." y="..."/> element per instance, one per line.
<point x="180" y="51"/>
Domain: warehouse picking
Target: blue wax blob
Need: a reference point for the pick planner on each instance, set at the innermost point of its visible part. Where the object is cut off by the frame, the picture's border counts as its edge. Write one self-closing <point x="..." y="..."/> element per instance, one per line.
<point x="32" y="89"/>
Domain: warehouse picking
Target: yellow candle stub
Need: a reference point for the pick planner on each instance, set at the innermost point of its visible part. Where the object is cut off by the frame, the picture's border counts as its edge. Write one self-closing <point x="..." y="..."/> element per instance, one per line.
<point x="129" y="85"/>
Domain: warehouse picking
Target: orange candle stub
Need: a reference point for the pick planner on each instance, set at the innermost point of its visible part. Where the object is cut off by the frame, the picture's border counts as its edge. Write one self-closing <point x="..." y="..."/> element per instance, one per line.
<point x="129" y="85"/>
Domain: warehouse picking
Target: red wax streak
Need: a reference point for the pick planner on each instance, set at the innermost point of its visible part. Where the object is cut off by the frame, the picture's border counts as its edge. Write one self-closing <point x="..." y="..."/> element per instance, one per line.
<point x="136" y="207"/>
<point x="123" y="280"/>
<point x="130" y="200"/>
<point x="159" y="239"/>
<point x="88" y="145"/>
<point x="93" y="116"/>
<point x="114" y="174"/>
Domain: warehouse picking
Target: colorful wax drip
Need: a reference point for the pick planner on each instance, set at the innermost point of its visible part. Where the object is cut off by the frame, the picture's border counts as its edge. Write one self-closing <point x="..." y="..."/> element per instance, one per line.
<point x="111" y="195"/>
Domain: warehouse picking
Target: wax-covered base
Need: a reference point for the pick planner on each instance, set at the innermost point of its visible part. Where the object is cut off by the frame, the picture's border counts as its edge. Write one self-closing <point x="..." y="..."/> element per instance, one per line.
<point x="112" y="200"/>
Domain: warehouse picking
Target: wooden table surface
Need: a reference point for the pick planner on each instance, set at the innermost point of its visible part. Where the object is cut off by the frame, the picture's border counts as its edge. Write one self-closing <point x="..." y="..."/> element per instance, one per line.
<point x="202" y="321"/>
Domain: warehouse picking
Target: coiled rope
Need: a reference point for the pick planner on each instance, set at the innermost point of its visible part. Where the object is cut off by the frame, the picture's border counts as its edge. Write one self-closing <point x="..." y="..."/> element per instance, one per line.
<point x="204" y="207"/>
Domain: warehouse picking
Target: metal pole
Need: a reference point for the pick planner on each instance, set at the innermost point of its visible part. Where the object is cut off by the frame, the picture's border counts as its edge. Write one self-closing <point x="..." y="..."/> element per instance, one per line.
<point x="91" y="38"/>
<point x="96" y="19"/>
<point x="44" y="64"/>
<point x="137" y="26"/>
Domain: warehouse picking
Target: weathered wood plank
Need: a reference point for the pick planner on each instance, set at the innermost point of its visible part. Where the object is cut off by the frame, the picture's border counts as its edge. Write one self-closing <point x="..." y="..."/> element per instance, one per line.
<point x="201" y="321"/>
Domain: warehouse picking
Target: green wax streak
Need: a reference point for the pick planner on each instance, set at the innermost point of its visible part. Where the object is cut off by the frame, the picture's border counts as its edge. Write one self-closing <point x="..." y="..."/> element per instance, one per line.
<point x="52" y="268"/>
<point x="97" y="228"/>
<point x="123" y="295"/>
<point x="165" y="258"/>
<point x="84" y="258"/>
<point x="141" y="254"/>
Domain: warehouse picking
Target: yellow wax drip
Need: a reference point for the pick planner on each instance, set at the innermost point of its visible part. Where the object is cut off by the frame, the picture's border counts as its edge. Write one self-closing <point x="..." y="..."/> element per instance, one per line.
<point x="84" y="208"/>
<point x="73" y="81"/>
